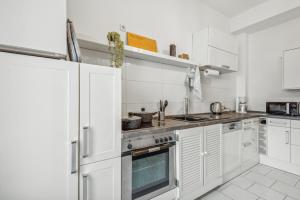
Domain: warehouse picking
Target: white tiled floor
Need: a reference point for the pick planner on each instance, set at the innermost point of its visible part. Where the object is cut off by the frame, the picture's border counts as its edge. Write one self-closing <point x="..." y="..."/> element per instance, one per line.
<point x="259" y="183"/>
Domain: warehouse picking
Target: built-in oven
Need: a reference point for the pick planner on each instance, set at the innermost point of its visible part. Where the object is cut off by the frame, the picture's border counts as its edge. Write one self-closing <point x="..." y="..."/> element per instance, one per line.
<point x="148" y="166"/>
<point x="283" y="108"/>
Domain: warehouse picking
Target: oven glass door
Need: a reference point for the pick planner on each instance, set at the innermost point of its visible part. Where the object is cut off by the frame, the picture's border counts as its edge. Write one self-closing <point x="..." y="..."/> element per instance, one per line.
<point x="150" y="172"/>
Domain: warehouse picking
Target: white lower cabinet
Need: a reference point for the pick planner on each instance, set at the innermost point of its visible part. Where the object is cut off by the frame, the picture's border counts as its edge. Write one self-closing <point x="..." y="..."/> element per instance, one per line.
<point x="295" y="144"/>
<point x="279" y="146"/>
<point x="101" y="180"/>
<point x="199" y="161"/>
<point x="250" y="156"/>
<point x="283" y="145"/>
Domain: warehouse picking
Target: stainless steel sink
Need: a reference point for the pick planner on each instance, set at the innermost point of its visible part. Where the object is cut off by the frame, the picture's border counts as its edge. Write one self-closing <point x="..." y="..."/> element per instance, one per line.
<point x="192" y="118"/>
<point x="199" y="118"/>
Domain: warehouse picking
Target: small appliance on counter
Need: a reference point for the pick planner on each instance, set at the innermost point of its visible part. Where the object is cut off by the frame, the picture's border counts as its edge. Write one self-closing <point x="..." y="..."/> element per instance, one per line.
<point x="131" y="122"/>
<point x="216" y="108"/>
<point x="146" y="116"/>
<point x="283" y="108"/>
<point x="241" y="105"/>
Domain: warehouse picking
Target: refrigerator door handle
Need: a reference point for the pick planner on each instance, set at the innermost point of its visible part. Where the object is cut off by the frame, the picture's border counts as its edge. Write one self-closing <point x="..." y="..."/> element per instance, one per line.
<point x="84" y="187"/>
<point x="74" y="157"/>
<point x="85" y="141"/>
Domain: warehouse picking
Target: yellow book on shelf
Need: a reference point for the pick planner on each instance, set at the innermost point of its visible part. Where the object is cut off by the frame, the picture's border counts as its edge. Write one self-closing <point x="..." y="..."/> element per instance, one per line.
<point x="141" y="42"/>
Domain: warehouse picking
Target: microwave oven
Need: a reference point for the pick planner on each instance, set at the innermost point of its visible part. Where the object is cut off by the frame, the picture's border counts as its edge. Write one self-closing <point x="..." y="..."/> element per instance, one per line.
<point x="283" y="108"/>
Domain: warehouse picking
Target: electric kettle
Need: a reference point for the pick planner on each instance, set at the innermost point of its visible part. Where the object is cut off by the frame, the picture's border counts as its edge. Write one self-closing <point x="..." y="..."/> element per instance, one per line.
<point x="216" y="108"/>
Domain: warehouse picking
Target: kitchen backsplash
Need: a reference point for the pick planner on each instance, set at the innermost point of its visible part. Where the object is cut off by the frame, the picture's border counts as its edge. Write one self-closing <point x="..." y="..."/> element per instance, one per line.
<point x="145" y="83"/>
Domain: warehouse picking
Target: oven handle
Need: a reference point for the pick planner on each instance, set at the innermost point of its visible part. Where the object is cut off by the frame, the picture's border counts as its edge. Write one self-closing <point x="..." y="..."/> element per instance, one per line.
<point x="151" y="150"/>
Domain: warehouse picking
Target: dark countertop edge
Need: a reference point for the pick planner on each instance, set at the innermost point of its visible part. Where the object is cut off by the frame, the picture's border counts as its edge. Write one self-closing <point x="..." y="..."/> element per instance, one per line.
<point x="180" y="125"/>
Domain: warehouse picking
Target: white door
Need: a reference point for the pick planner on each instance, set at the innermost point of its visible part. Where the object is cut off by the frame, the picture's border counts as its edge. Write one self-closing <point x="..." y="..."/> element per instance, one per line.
<point x="101" y="180"/>
<point x="231" y="151"/>
<point x="291" y="69"/>
<point x="190" y="162"/>
<point x="39" y="121"/>
<point x="34" y="24"/>
<point x="100" y="113"/>
<point x="212" y="154"/>
<point x="279" y="143"/>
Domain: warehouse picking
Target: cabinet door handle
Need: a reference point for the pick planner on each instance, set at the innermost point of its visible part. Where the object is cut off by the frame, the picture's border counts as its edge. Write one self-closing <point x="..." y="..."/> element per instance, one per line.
<point x="226" y="66"/>
<point x="74" y="157"/>
<point x="85" y="187"/>
<point x="287" y="137"/>
<point x="246" y="144"/>
<point x="85" y="141"/>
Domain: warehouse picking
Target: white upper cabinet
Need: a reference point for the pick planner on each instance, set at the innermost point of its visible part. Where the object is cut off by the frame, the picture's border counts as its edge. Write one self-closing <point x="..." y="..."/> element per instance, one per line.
<point x="100" y="113"/>
<point x="221" y="40"/>
<point x="34" y="24"/>
<point x="215" y="49"/>
<point x="291" y="69"/>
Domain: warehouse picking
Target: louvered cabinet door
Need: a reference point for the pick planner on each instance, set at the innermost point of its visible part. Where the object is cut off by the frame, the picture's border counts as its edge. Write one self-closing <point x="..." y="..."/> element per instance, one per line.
<point x="212" y="154"/>
<point x="190" y="174"/>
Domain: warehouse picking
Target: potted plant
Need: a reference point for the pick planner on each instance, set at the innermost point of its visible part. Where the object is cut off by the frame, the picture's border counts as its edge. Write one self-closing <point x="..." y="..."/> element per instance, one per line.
<point x="116" y="46"/>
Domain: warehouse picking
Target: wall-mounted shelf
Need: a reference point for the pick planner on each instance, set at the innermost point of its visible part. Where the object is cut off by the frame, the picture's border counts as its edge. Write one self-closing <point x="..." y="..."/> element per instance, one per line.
<point x="132" y="52"/>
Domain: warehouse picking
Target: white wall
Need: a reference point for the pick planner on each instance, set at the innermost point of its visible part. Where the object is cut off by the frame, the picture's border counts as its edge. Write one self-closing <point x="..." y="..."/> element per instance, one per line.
<point x="168" y="21"/>
<point x="265" y="68"/>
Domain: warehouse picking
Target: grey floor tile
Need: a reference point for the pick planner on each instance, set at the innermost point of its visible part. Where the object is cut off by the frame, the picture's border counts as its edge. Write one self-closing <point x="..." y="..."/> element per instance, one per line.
<point x="261" y="179"/>
<point x="289" y="198"/>
<point x="242" y="182"/>
<point x="298" y="185"/>
<point x="236" y="193"/>
<point x="283" y="177"/>
<point x="262" y="169"/>
<point x="215" y="195"/>
<point x="287" y="189"/>
<point x="266" y="193"/>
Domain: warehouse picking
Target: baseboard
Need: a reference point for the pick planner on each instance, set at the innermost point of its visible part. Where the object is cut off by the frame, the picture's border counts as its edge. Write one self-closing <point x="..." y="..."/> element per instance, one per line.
<point x="288" y="167"/>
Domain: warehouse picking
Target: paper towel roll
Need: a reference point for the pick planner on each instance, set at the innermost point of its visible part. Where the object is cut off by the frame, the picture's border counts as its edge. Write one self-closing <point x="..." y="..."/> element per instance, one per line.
<point x="210" y="72"/>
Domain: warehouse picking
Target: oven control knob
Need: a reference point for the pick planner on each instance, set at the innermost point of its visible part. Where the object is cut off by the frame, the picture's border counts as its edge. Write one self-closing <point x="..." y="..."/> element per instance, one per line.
<point x="156" y="140"/>
<point x="166" y="139"/>
<point x="129" y="146"/>
<point x="170" y="138"/>
<point x="161" y="140"/>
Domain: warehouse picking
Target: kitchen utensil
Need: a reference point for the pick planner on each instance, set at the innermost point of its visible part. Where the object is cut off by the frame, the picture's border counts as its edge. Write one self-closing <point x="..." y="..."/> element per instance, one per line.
<point x="165" y="105"/>
<point x="161" y="116"/>
<point x="216" y="108"/>
<point x="146" y="116"/>
<point x="131" y="122"/>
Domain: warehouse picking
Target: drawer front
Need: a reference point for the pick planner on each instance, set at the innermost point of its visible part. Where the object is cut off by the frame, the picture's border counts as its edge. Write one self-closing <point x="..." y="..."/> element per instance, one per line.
<point x="279" y="122"/>
<point x="295" y="124"/>
<point x="295" y="152"/>
<point x="295" y="140"/>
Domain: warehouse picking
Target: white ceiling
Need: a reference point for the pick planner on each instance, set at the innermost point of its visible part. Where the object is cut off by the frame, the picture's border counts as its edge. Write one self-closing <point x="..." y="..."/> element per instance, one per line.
<point x="232" y="8"/>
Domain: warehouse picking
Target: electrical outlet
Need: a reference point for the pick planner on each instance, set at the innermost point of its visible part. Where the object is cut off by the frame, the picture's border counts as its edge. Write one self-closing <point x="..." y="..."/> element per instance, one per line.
<point x="122" y="28"/>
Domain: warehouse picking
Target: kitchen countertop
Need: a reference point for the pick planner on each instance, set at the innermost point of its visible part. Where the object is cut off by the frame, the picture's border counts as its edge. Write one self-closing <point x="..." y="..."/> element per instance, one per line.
<point x="171" y="124"/>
